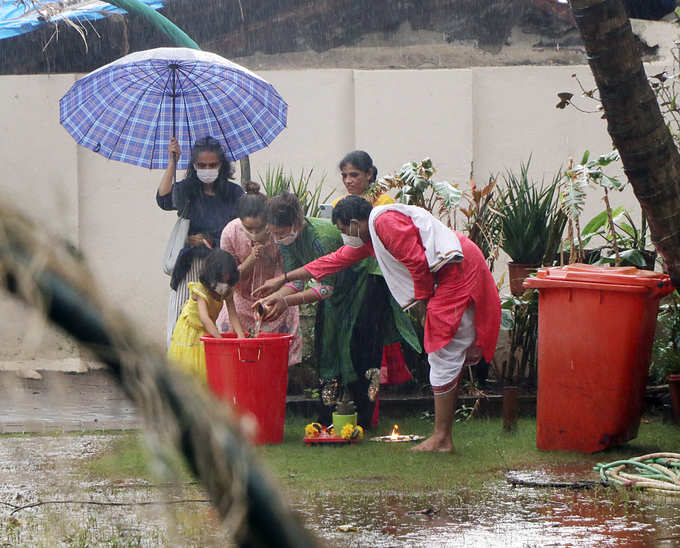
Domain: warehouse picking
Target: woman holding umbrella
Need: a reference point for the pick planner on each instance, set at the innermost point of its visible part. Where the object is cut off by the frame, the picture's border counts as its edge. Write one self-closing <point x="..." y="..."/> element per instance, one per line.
<point x="207" y="197"/>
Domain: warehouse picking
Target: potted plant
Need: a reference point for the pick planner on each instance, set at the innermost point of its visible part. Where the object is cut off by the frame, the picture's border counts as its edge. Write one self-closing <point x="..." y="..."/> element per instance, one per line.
<point x="625" y="245"/>
<point x="345" y="413"/>
<point x="573" y="187"/>
<point x="519" y="317"/>
<point x="532" y="224"/>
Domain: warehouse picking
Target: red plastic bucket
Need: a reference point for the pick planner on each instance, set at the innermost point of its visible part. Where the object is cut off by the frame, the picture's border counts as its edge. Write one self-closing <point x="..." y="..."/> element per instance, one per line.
<point x="595" y="333"/>
<point x="252" y="376"/>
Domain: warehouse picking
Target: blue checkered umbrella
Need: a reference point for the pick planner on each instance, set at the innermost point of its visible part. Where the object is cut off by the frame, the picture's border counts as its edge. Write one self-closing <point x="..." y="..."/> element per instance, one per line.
<point x="128" y="110"/>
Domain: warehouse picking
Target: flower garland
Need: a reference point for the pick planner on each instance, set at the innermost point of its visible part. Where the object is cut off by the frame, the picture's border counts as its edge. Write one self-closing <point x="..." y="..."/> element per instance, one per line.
<point x="349" y="431"/>
<point x="313" y="430"/>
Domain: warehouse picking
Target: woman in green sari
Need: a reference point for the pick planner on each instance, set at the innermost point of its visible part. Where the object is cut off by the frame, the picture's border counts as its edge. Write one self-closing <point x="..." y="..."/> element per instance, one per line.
<point x="353" y="319"/>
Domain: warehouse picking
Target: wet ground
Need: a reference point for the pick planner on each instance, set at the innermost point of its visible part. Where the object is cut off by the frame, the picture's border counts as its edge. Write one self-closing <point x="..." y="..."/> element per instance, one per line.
<point x="54" y="467"/>
<point x="499" y="515"/>
<point x="64" y="402"/>
<point x="50" y="468"/>
<point x="52" y="471"/>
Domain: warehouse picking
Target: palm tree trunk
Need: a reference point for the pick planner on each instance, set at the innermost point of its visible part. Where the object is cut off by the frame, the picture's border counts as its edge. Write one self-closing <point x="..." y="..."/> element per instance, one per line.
<point x="650" y="159"/>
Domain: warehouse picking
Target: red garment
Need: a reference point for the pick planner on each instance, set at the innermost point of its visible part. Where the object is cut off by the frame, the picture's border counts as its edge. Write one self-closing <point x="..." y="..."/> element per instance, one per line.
<point x="338" y="260"/>
<point x="393" y="369"/>
<point x="450" y="290"/>
<point x="453" y="287"/>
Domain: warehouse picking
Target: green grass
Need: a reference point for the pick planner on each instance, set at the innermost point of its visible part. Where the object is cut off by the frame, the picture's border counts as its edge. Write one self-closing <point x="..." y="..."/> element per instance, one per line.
<point x="128" y="457"/>
<point x="483" y="453"/>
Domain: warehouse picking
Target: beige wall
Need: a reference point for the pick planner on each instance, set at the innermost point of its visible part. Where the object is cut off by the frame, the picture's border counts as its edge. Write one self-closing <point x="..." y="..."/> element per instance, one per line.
<point x="492" y="117"/>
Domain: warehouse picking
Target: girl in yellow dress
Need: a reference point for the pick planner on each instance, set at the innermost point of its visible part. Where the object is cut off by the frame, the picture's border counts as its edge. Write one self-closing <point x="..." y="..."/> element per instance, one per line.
<point x="200" y="311"/>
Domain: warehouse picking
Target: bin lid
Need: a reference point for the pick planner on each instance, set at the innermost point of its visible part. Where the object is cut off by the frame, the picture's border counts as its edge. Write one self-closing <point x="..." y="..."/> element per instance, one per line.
<point x="605" y="275"/>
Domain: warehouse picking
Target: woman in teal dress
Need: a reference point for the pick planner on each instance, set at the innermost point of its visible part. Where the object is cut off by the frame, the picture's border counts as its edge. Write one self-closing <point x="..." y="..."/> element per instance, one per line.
<point x="348" y="341"/>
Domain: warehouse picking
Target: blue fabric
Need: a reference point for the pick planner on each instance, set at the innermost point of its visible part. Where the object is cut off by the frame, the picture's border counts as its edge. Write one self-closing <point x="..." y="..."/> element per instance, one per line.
<point x="124" y="111"/>
<point x="16" y="20"/>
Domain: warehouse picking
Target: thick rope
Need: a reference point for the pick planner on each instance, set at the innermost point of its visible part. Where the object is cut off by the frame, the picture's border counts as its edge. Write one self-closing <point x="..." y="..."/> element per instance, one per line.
<point x="50" y="276"/>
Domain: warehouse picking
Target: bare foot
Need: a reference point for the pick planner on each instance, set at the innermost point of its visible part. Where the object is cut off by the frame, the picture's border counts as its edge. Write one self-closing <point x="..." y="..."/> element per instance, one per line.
<point x="435" y="445"/>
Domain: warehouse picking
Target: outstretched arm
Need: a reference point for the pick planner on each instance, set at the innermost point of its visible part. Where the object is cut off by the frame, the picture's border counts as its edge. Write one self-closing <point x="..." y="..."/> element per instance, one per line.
<point x="233" y="316"/>
<point x="276" y="283"/>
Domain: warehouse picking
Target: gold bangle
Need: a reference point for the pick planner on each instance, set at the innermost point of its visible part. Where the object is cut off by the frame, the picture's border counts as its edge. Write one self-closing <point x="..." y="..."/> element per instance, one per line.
<point x="285" y="277"/>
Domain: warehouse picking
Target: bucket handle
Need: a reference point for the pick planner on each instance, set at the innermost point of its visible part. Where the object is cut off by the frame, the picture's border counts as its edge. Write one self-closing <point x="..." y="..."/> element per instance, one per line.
<point x="259" y="353"/>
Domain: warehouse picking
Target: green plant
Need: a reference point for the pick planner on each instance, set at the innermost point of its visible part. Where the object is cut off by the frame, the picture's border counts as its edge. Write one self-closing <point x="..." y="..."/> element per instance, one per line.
<point x="275" y="181"/>
<point x="482" y="222"/>
<point x="630" y="240"/>
<point x="519" y="316"/>
<point x="531" y="220"/>
<point x="666" y="350"/>
<point x="415" y="186"/>
<point x="573" y="186"/>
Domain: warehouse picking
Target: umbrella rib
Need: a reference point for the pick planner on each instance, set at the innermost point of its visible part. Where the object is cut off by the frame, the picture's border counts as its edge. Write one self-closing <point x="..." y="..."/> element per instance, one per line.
<point x="186" y="112"/>
<point x="137" y="105"/>
<point x="216" y="118"/>
<point x="83" y="81"/>
<point x="255" y="97"/>
<point x="157" y="125"/>
<point x="131" y="83"/>
<point x="264" y="82"/>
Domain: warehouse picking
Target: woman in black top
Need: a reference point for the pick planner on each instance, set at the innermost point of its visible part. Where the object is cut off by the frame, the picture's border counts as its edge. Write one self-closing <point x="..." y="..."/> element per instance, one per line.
<point x="207" y="197"/>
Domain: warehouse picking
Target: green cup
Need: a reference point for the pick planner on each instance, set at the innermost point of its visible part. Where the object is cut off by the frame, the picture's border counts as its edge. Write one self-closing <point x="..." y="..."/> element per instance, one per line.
<point x="339" y="422"/>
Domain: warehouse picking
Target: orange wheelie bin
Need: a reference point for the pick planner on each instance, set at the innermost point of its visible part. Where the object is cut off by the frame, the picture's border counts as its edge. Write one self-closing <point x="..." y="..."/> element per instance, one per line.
<point x="595" y="332"/>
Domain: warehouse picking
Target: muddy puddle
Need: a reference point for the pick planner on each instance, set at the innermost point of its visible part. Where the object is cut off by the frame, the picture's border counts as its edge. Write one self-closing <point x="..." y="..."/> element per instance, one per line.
<point x="53" y="469"/>
<point x="498" y="515"/>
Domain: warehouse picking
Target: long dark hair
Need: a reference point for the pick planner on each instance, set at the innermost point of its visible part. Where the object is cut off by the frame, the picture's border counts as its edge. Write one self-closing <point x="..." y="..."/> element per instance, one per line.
<point x="360" y="159"/>
<point x="252" y="203"/>
<point x="224" y="188"/>
<point x="284" y="210"/>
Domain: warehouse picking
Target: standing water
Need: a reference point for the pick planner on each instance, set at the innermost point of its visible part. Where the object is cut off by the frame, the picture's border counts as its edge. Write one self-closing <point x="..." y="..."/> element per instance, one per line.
<point x="496" y="515"/>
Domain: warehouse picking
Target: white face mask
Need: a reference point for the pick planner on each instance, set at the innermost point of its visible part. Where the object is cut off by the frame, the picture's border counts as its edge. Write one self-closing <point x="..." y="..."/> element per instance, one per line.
<point x="260" y="237"/>
<point x="221" y="288"/>
<point x="349" y="239"/>
<point x="207" y="176"/>
<point x="352" y="241"/>
<point x="288" y="239"/>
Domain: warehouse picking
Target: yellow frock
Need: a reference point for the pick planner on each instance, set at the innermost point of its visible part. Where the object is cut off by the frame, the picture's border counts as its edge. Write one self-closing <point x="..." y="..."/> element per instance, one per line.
<point x="186" y="349"/>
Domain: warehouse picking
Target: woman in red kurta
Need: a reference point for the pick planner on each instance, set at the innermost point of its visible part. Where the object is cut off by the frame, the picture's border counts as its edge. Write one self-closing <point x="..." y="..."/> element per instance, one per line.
<point x="422" y="260"/>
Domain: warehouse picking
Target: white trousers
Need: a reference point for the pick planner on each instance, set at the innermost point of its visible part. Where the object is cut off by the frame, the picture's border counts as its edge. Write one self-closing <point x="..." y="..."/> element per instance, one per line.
<point x="447" y="362"/>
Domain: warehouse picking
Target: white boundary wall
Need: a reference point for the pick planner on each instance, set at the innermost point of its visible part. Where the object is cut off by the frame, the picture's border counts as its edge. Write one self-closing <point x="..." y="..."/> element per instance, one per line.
<point x="492" y="118"/>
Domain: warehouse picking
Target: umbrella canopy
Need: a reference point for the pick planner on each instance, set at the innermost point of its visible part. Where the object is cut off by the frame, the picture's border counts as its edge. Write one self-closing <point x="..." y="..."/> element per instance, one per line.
<point x="128" y="110"/>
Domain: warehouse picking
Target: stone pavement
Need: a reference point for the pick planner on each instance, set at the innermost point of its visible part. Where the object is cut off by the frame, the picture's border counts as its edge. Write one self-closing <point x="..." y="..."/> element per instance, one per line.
<point x="62" y="401"/>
